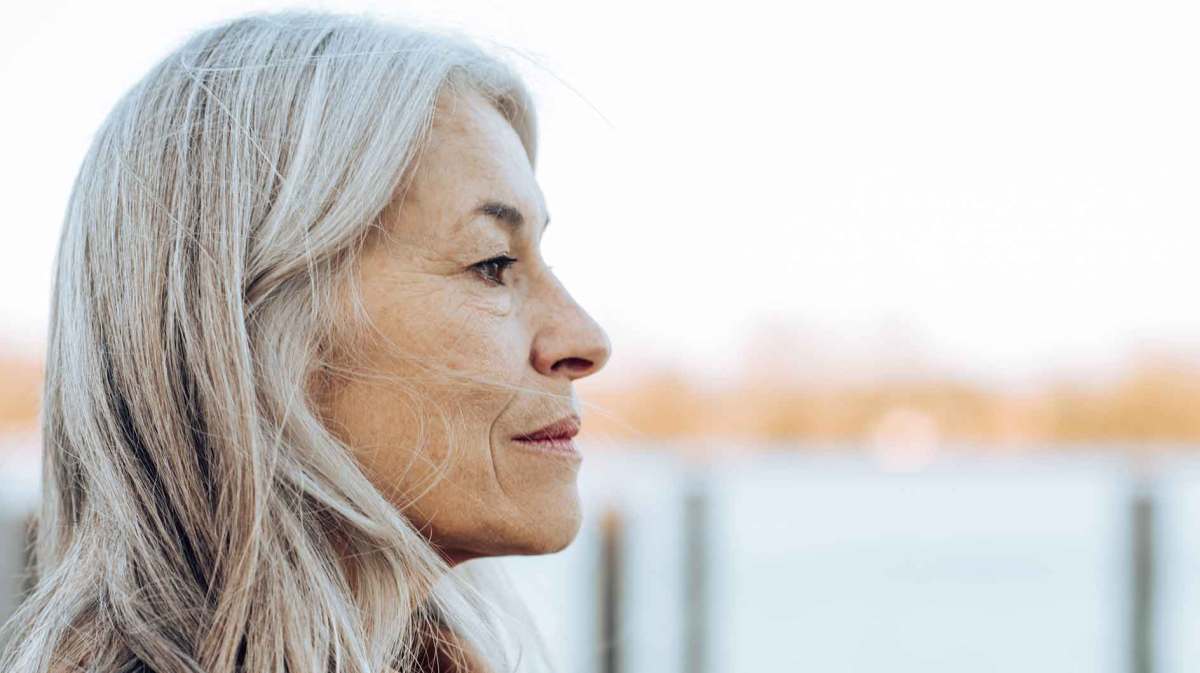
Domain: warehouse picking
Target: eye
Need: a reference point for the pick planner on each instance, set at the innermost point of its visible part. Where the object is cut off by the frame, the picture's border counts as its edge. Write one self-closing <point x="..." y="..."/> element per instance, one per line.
<point x="492" y="269"/>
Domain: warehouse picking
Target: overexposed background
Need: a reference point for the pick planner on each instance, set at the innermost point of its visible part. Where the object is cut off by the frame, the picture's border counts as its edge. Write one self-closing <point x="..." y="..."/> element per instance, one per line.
<point x="906" y="368"/>
<point x="1002" y="189"/>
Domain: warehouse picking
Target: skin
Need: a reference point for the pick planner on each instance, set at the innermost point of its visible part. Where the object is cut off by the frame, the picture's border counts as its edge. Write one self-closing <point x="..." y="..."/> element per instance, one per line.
<point x="453" y="365"/>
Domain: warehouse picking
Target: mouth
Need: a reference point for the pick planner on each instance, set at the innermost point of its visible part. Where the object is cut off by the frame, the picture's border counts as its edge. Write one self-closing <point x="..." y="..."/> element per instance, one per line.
<point x="556" y="438"/>
<point x="564" y="428"/>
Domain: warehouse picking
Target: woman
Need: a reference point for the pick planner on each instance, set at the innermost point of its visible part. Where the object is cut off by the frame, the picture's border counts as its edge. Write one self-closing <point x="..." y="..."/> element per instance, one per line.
<point x="305" y="359"/>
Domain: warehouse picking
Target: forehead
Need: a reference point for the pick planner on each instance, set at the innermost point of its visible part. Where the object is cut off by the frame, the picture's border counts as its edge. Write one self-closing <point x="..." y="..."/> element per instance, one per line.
<point x="472" y="155"/>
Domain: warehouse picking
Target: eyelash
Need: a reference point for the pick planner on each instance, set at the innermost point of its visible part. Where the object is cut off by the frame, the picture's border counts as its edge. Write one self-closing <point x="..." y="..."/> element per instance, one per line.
<point x="503" y="261"/>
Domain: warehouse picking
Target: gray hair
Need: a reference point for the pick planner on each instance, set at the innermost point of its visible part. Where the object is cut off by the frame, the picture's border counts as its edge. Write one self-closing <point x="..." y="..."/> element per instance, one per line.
<point x="196" y="514"/>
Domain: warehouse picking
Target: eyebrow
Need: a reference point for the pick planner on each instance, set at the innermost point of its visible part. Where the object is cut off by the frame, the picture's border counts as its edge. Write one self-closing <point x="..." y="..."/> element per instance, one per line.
<point x="506" y="214"/>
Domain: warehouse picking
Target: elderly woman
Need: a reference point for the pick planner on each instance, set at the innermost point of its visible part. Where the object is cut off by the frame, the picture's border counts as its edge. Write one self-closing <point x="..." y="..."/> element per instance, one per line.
<point x="305" y="358"/>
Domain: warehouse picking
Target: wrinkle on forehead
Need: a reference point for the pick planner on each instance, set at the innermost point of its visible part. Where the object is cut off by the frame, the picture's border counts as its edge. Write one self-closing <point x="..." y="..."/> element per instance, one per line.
<point x="457" y="152"/>
<point x="472" y="154"/>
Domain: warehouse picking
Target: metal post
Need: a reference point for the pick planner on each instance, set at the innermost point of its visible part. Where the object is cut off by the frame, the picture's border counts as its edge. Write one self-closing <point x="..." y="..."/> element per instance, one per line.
<point x="696" y="523"/>
<point x="612" y="533"/>
<point x="1143" y="580"/>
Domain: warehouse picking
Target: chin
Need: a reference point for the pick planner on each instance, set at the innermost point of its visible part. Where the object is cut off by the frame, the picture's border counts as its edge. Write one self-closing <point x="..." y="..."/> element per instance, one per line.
<point x="543" y="522"/>
<point x="551" y="530"/>
<point x="561" y="537"/>
<point x="516" y="538"/>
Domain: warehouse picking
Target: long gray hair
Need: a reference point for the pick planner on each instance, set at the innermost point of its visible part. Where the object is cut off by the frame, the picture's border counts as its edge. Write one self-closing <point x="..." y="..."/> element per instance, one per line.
<point x="196" y="514"/>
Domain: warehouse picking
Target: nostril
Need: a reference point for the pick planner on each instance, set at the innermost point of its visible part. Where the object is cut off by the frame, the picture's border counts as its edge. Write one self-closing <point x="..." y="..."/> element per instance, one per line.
<point x="573" y="364"/>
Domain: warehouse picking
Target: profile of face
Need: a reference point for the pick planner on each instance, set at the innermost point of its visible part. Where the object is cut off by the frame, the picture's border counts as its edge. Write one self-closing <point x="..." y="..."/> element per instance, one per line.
<point x="472" y="342"/>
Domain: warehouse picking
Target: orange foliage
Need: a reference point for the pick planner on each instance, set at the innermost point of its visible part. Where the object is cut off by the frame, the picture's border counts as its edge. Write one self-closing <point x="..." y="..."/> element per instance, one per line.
<point x="1155" y="401"/>
<point x="20" y="394"/>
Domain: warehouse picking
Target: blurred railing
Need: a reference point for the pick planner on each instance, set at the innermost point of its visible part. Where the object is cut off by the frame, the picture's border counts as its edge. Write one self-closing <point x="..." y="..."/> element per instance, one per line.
<point x="830" y="562"/>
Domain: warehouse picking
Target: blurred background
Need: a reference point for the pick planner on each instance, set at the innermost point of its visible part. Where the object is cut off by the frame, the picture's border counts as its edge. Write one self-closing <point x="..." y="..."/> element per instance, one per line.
<point x="906" y="369"/>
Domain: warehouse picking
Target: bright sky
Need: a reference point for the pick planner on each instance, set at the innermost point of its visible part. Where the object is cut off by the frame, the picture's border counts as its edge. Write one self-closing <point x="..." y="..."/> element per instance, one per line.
<point x="1006" y="187"/>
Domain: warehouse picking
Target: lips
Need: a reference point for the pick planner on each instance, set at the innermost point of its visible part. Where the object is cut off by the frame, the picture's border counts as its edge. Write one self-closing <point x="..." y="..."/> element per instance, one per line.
<point x="564" y="429"/>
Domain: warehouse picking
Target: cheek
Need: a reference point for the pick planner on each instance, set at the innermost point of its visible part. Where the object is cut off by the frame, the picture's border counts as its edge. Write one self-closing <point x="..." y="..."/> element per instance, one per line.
<point x="436" y="374"/>
<point x="427" y="385"/>
<point x="480" y="340"/>
<point x="498" y="306"/>
<point x="451" y="330"/>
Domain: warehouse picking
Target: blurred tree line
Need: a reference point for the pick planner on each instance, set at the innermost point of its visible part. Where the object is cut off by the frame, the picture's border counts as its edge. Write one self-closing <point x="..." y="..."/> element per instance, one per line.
<point x="1154" y="400"/>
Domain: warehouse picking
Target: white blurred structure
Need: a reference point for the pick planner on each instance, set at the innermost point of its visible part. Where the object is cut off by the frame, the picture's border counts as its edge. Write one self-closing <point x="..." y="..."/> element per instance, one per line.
<point x="830" y="566"/>
<point x="18" y="494"/>
<point x="1177" y="642"/>
<point x="830" y="562"/>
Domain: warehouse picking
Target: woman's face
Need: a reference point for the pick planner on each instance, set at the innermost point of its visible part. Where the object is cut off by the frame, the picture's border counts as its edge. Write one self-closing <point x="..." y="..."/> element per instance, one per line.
<point x="463" y="354"/>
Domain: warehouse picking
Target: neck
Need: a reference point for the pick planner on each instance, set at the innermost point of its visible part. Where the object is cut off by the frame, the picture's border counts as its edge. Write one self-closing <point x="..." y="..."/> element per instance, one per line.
<point x="445" y="652"/>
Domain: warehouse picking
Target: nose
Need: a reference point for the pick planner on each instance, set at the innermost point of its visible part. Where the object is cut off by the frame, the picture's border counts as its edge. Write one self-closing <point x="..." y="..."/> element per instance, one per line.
<point x="569" y="342"/>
